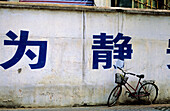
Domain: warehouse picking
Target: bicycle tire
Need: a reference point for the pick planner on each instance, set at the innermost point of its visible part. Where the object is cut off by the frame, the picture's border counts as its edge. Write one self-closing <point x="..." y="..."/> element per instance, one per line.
<point x="114" y="95"/>
<point x="148" y="92"/>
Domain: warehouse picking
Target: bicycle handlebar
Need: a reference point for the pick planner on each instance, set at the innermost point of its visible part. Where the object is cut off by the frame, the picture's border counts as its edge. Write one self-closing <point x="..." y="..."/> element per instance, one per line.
<point x="125" y="72"/>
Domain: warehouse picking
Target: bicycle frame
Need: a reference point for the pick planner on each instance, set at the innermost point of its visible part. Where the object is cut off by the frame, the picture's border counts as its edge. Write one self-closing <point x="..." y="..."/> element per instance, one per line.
<point x="143" y="91"/>
<point x="134" y="89"/>
<point x="133" y="94"/>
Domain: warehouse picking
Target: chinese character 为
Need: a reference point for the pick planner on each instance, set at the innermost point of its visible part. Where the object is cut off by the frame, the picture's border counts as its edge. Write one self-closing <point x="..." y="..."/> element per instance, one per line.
<point x="103" y="48"/>
<point x="22" y="43"/>
<point x="168" y="52"/>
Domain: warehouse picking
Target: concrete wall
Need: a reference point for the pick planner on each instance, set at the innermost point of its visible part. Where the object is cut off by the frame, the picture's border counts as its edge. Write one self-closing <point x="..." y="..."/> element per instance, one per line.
<point x="68" y="79"/>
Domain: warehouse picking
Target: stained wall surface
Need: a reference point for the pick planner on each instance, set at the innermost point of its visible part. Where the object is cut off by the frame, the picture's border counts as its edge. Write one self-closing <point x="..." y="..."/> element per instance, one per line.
<point x="62" y="72"/>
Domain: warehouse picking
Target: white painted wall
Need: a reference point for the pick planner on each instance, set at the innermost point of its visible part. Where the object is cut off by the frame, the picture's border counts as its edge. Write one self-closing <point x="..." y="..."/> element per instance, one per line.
<point x="68" y="78"/>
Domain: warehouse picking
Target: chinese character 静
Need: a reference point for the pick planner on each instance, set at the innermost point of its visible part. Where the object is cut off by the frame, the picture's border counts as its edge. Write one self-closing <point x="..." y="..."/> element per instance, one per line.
<point x="105" y="45"/>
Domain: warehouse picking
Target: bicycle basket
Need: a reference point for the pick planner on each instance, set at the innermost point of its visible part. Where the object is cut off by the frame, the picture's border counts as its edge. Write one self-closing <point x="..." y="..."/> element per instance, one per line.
<point x="120" y="79"/>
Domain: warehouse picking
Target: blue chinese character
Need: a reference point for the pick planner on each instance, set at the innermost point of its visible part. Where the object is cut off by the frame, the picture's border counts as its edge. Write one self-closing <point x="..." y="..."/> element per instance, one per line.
<point x="124" y="50"/>
<point x="103" y="49"/>
<point x="103" y="42"/>
<point x="102" y="56"/>
<point x="22" y="43"/>
<point x="168" y="52"/>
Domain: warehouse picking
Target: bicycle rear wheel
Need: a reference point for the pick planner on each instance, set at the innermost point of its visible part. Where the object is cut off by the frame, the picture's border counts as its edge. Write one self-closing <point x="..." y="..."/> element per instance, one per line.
<point x="114" y="95"/>
<point x="148" y="93"/>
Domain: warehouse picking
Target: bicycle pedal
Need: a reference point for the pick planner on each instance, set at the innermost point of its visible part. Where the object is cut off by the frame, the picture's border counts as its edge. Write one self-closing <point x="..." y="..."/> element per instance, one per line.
<point x="132" y="95"/>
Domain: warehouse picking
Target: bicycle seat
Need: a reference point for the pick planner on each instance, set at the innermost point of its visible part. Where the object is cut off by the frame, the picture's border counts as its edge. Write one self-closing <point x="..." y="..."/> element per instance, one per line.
<point x="140" y="76"/>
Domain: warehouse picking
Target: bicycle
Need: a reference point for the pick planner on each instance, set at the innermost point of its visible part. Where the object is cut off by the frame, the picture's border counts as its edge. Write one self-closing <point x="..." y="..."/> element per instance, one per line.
<point x="147" y="90"/>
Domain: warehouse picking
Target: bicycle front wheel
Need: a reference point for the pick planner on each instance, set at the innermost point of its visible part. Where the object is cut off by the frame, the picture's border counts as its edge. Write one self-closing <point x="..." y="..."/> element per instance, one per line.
<point x="148" y="93"/>
<point x="114" y="95"/>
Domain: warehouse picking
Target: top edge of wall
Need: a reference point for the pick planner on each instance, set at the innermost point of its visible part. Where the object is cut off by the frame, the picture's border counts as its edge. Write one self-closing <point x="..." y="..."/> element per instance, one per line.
<point x="21" y="5"/>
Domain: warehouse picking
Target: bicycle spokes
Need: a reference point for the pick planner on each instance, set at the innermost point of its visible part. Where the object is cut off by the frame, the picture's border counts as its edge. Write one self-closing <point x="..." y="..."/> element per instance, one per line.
<point x="148" y="92"/>
<point x="114" y="95"/>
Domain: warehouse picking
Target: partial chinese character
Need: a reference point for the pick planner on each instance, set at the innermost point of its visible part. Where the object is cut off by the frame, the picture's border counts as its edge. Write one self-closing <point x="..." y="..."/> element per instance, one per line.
<point x="123" y="50"/>
<point x="22" y="43"/>
<point x="101" y="42"/>
<point x="168" y="52"/>
<point x="102" y="56"/>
